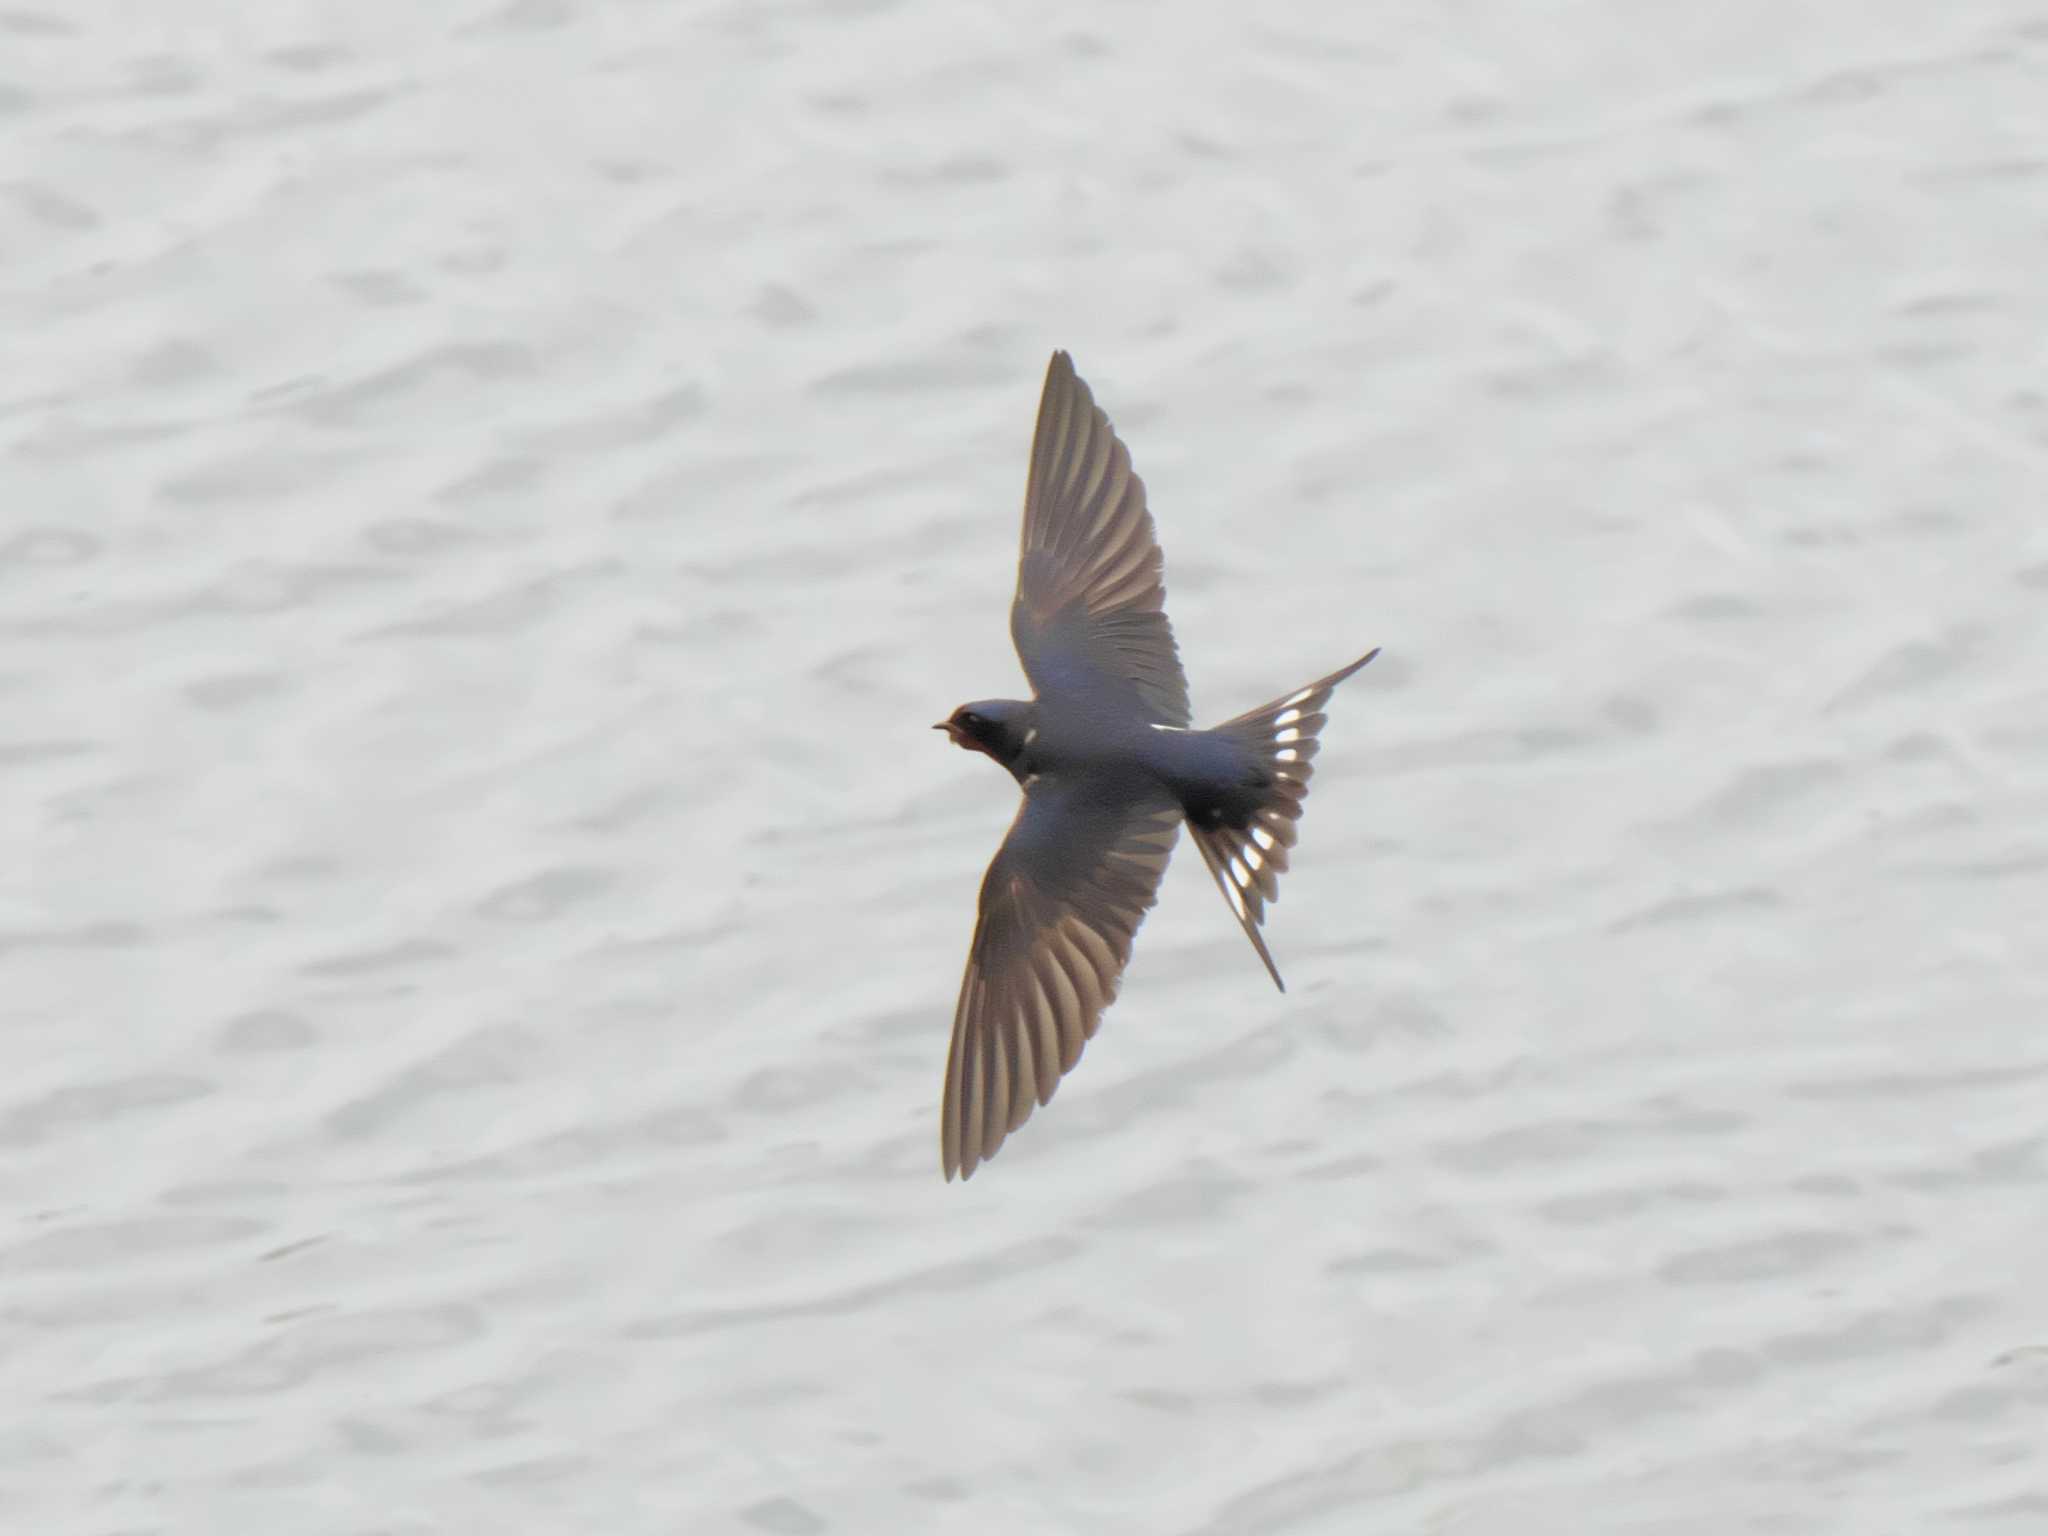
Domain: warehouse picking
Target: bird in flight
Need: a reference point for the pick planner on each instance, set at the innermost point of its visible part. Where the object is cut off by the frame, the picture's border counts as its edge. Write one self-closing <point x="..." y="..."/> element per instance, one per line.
<point x="1110" y="768"/>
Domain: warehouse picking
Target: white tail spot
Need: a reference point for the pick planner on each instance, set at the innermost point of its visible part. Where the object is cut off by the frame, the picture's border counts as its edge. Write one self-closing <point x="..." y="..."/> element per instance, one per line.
<point x="1262" y="837"/>
<point x="1252" y="856"/>
<point x="1238" y="872"/>
<point x="1287" y="755"/>
<point x="1287" y="717"/>
<point x="1180" y="728"/>
<point x="1298" y="698"/>
<point x="1236" y="901"/>
<point x="1292" y="733"/>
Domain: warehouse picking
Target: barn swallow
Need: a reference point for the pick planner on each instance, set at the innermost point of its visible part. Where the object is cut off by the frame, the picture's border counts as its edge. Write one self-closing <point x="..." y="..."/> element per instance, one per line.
<point x="1110" y="768"/>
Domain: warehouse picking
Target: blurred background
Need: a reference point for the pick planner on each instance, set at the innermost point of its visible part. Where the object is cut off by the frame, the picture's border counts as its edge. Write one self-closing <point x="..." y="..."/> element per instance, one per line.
<point x="491" y="499"/>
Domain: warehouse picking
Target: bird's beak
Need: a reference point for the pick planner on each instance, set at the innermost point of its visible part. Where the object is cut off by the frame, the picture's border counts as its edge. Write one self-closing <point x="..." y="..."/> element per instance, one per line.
<point x="943" y="725"/>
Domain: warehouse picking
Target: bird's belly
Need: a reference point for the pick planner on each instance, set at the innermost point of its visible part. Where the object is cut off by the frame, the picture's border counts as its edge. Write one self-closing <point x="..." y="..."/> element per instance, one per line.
<point x="1080" y="745"/>
<point x="1216" y="779"/>
<point x="1211" y="775"/>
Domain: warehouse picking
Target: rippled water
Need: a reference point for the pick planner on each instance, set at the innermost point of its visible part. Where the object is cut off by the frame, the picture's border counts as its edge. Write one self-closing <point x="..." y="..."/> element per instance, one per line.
<point x="490" y="500"/>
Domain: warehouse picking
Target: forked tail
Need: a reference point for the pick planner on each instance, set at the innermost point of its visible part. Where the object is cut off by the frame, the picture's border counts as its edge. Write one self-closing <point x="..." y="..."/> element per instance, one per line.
<point x="1246" y="846"/>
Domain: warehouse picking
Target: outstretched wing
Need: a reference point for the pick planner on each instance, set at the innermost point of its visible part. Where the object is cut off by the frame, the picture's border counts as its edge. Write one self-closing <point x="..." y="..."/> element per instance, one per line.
<point x="1090" y="615"/>
<point x="1059" y="907"/>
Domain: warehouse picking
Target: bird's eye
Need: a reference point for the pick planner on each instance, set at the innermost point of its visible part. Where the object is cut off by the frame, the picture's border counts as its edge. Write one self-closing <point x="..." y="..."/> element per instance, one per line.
<point x="970" y="720"/>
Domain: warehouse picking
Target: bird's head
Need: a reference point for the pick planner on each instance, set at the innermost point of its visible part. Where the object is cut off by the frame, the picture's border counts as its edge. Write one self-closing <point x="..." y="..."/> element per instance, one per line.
<point x="1000" y="727"/>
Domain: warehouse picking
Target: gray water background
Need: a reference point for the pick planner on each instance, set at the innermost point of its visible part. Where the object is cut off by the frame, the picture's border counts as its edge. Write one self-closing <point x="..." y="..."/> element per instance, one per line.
<point x="491" y="497"/>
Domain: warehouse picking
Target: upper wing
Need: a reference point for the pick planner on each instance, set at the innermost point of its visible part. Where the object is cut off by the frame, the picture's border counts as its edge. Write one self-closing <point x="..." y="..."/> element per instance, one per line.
<point x="1090" y="613"/>
<point x="1059" y="907"/>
